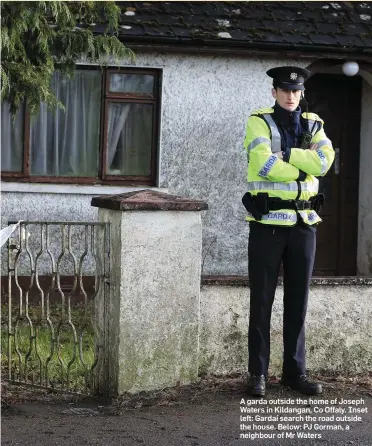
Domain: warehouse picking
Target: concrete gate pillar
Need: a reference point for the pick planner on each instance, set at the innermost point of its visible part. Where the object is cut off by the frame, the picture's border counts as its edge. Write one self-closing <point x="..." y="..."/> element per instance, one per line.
<point x="153" y="307"/>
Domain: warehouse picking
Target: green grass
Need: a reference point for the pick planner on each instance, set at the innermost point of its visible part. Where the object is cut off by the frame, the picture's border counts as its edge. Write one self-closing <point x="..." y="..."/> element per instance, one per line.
<point x="49" y="358"/>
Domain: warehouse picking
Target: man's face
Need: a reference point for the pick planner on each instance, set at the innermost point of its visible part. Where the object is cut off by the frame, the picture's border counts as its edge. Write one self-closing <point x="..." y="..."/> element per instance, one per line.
<point x="287" y="99"/>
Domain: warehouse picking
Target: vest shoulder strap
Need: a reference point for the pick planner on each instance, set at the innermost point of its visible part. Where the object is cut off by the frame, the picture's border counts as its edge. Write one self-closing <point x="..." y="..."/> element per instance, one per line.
<point x="263" y="110"/>
<point x="313" y="117"/>
<point x="276" y="140"/>
<point x="314" y="122"/>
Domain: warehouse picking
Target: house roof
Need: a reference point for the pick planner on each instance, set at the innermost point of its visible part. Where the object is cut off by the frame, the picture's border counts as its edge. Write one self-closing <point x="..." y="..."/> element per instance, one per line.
<point x="309" y="26"/>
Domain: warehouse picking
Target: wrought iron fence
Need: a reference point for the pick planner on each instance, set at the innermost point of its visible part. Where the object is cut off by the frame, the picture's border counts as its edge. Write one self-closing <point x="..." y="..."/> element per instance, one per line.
<point x="53" y="326"/>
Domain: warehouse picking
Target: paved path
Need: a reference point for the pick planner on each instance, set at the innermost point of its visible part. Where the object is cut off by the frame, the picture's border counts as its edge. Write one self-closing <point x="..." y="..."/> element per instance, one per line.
<point x="207" y="414"/>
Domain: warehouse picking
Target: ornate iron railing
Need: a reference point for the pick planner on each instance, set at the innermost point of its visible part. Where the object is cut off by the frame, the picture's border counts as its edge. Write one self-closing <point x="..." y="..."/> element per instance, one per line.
<point x="53" y="329"/>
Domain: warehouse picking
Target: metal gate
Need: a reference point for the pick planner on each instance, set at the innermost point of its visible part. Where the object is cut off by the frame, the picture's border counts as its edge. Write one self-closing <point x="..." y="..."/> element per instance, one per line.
<point x="54" y="325"/>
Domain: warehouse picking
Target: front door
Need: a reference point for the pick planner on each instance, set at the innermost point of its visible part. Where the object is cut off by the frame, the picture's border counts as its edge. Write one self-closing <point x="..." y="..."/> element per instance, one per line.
<point x="337" y="100"/>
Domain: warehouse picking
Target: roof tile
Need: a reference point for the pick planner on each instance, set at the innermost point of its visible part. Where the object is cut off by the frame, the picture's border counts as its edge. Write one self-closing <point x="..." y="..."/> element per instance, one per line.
<point x="363" y="7"/>
<point x="339" y="23"/>
<point x="367" y="41"/>
<point x="297" y="38"/>
<point x="323" y="39"/>
<point x="349" y="41"/>
<point x="327" y="28"/>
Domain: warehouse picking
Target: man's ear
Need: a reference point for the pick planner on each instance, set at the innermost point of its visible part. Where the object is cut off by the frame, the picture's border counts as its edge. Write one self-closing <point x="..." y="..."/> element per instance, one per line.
<point x="273" y="92"/>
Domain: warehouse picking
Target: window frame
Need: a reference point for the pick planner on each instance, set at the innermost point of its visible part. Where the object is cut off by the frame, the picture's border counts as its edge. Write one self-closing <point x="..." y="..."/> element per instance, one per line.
<point x="107" y="97"/>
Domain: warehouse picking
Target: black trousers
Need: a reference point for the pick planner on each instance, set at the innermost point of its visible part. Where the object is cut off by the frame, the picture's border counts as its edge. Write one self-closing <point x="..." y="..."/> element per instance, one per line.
<point x="269" y="246"/>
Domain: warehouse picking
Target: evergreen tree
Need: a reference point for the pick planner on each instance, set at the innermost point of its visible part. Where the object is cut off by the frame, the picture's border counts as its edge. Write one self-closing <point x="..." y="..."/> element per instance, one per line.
<point x="40" y="37"/>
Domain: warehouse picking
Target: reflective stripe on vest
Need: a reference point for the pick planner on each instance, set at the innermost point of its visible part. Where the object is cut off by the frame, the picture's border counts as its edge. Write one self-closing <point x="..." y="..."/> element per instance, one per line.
<point x="323" y="160"/>
<point x="320" y="153"/>
<point x="279" y="217"/>
<point x="310" y="217"/>
<point x="256" y="142"/>
<point x="288" y="218"/>
<point x="324" y="142"/>
<point x="313" y="128"/>
<point x="264" y="172"/>
<point x="288" y="187"/>
<point x="276" y="141"/>
<point x="276" y="145"/>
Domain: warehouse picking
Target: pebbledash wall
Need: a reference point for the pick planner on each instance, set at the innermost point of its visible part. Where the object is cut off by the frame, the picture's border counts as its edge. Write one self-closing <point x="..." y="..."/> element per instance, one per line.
<point x="205" y="104"/>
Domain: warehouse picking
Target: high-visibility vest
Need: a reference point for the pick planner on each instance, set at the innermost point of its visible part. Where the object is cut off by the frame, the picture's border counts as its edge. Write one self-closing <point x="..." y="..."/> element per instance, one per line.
<point x="280" y="179"/>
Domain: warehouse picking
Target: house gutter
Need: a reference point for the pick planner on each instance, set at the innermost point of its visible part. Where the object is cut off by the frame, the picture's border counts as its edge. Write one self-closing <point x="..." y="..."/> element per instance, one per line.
<point x="239" y="48"/>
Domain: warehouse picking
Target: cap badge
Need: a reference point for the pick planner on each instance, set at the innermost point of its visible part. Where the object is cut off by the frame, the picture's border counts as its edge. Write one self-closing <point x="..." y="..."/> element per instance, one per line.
<point x="293" y="76"/>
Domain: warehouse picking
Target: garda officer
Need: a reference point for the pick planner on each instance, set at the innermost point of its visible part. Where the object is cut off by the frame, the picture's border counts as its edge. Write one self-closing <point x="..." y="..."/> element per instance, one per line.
<point x="287" y="150"/>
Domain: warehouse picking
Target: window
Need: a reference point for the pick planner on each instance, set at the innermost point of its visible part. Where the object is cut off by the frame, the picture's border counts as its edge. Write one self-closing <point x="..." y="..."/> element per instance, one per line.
<point x="108" y="132"/>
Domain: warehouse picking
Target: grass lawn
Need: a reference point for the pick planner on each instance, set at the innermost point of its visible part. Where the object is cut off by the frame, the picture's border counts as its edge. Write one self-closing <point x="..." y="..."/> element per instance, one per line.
<point x="49" y="354"/>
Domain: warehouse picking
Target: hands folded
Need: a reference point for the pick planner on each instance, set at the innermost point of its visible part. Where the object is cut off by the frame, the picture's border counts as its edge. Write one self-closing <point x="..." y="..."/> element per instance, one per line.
<point x="313" y="146"/>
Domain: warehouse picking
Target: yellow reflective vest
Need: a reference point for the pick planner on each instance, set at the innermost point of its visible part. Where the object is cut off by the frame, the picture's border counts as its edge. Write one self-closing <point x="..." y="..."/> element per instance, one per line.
<point x="268" y="173"/>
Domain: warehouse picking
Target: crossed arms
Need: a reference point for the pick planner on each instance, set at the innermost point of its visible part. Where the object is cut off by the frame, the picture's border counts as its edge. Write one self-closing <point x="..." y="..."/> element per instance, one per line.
<point x="314" y="161"/>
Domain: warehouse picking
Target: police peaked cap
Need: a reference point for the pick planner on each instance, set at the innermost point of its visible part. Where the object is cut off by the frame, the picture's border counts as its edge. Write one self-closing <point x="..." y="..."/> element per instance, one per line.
<point x="289" y="78"/>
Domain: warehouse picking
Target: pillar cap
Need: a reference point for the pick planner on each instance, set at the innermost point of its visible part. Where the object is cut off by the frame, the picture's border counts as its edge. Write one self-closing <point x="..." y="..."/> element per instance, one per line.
<point x="148" y="200"/>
